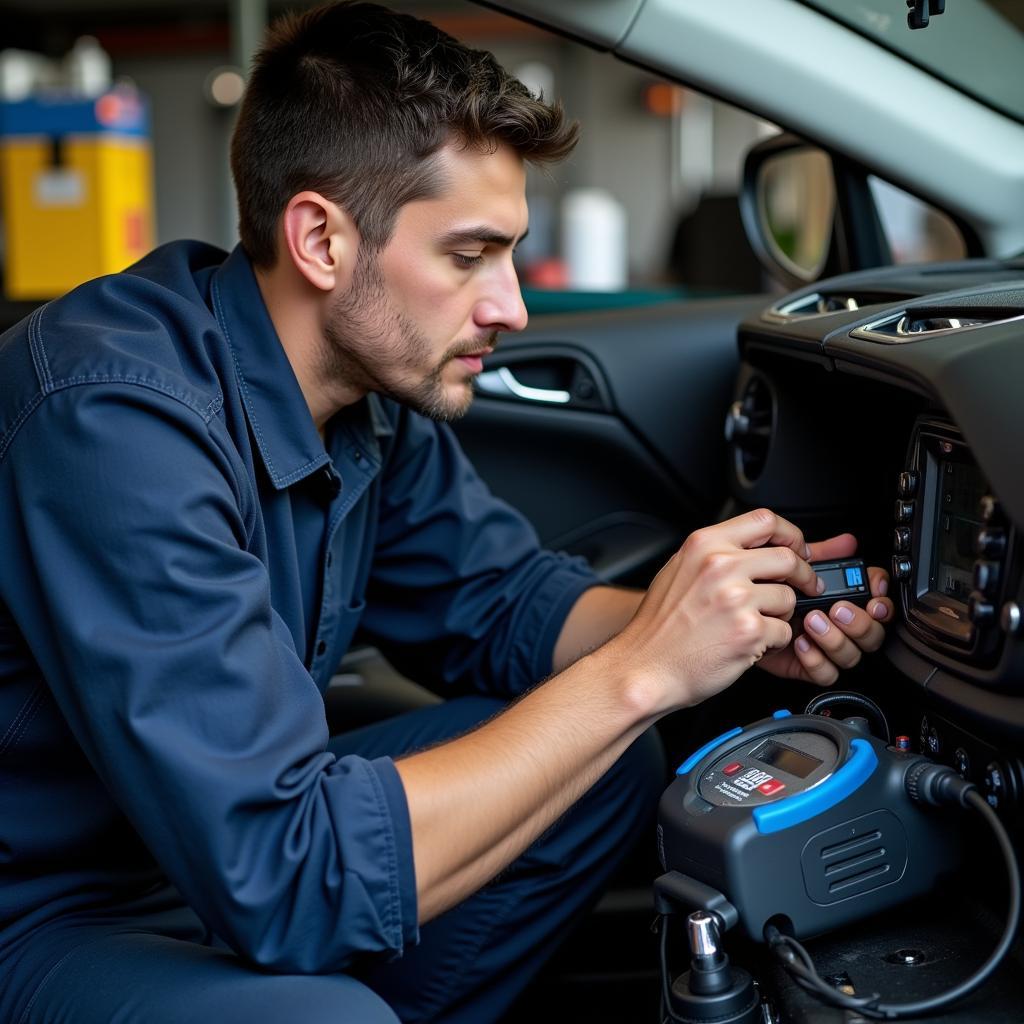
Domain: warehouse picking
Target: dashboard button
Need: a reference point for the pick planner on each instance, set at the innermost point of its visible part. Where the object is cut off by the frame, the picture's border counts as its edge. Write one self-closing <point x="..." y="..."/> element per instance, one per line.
<point x="1010" y="617"/>
<point x="980" y="610"/>
<point x="990" y="508"/>
<point x="902" y="568"/>
<point x="995" y="784"/>
<point x="907" y="484"/>
<point x="904" y="511"/>
<point x="901" y="539"/>
<point x="962" y="763"/>
<point x="991" y="542"/>
<point x="986" y="577"/>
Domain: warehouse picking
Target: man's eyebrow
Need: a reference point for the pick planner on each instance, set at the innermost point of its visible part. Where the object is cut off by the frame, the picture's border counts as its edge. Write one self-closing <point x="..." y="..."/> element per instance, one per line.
<point x="482" y="234"/>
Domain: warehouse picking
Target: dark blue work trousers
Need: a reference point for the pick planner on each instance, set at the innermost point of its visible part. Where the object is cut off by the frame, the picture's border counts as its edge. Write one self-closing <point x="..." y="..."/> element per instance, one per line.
<point x="155" y="962"/>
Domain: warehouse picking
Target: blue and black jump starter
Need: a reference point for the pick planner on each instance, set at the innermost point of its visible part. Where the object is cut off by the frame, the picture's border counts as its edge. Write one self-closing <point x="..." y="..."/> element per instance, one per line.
<point x="805" y="822"/>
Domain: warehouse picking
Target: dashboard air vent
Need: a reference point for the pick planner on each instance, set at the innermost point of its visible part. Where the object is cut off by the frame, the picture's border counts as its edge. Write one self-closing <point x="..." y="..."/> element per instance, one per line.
<point x="748" y="428"/>
<point x="823" y="303"/>
<point x="915" y="324"/>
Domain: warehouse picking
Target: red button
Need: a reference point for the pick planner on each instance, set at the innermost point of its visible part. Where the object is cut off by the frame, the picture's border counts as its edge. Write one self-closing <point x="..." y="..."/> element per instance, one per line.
<point x="732" y="769"/>
<point x="770" y="787"/>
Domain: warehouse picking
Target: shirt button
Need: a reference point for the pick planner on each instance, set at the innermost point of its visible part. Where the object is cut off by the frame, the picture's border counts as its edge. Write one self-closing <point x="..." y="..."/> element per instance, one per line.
<point x="358" y="456"/>
<point x="320" y="648"/>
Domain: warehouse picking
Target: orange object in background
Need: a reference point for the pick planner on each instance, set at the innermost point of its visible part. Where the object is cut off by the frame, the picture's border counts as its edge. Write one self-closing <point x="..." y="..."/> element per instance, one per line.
<point x="76" y="186"/>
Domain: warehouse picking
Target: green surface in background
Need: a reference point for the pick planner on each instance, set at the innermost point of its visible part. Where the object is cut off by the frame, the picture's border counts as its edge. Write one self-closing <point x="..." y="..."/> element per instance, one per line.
<point x="540" y="301"/>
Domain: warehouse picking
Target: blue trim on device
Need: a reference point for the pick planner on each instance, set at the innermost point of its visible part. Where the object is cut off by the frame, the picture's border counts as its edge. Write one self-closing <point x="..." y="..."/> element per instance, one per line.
<point x="699" y="755"/>
<point x="782" y="713"/>
<point x="802" y="806"/>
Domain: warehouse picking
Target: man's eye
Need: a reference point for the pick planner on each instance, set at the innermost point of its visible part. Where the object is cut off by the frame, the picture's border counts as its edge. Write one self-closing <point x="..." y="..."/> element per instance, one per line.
<point x="463" y="260"/>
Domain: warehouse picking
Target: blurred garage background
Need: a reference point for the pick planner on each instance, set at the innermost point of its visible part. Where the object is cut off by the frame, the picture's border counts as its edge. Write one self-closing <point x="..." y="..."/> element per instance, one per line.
<point x="115" y="120"/>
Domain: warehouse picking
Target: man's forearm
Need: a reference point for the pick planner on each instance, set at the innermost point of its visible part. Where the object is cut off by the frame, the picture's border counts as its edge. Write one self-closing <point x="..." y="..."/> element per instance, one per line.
<point x="477" y="802"/>
<point x="598" y="615"/>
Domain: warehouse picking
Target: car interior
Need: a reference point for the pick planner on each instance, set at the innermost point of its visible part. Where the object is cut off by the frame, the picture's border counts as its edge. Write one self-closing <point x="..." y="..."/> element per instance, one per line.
<point x="850" y="385"/>
<point x="873" y="396"/>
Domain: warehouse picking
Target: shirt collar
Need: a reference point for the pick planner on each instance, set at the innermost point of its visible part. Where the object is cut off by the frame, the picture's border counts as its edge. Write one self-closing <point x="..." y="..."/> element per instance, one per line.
<point x="281" y="423"/>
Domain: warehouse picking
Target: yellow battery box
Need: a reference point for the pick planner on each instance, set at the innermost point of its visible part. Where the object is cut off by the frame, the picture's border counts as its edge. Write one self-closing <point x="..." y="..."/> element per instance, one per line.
<point x="76" y="185"/>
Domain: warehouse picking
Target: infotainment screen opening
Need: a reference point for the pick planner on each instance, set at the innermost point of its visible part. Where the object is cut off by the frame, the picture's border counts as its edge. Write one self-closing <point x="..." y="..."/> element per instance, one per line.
<point x="960" y="488"/>
<point x="946" y="527"/>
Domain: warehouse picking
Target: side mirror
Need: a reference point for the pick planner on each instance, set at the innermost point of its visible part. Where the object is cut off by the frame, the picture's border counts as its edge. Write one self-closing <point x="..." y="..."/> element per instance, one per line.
<point x="788" y="205"/>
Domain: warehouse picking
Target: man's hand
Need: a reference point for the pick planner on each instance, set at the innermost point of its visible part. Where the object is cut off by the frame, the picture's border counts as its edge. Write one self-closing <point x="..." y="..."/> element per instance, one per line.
<point x="717" y="607"/>
<point x="839" y="639"/>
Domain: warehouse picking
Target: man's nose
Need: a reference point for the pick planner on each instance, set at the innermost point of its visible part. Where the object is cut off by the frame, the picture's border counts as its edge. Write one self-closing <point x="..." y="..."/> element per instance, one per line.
<point x="503" y="308"/>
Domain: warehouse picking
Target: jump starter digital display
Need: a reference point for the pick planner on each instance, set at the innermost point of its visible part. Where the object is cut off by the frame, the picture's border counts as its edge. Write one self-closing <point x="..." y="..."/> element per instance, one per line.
<point x="803" y="821"/>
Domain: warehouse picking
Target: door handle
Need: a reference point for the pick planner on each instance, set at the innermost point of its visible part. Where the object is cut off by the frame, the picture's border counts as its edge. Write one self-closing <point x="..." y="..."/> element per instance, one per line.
<point x="502" y="383"/>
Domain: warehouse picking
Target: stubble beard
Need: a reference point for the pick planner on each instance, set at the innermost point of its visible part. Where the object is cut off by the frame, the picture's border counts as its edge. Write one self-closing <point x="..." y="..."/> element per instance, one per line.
<point x="372" y="347"/>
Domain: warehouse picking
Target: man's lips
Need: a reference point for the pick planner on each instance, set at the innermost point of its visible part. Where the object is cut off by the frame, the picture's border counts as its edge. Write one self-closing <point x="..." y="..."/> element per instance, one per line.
<point x="474" y="360"/>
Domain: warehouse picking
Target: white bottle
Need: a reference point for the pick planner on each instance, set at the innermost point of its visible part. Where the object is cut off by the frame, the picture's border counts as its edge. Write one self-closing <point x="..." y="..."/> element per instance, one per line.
<point x="87" y="68"/>
<point x="594" y="240"/>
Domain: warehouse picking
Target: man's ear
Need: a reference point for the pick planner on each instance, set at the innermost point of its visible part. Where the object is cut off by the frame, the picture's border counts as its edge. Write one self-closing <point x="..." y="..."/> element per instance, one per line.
<point x="321" y="240"/>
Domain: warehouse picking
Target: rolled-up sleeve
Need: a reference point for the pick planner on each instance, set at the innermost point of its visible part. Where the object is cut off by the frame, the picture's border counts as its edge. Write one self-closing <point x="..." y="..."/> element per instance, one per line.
<point x="461" y="594"/>
<point x="132" y="574"/>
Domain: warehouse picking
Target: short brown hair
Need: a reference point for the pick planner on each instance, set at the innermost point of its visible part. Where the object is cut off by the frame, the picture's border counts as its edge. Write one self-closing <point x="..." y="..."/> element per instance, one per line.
<point x="353" y="100"/>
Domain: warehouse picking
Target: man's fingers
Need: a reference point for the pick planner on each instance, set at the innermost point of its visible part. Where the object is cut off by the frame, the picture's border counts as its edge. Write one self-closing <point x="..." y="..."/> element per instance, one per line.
<point x="756" y="529"/>
<point x="817" y="668"/>
<point x="878" y="581"/>
<point x="779" y="564"/>
<point x="837" y="646"/>
<point x="842" y="546"/>
<point x="863" y="627"/>
<point x="777" y="633"/>
<point x="775" y="599"/>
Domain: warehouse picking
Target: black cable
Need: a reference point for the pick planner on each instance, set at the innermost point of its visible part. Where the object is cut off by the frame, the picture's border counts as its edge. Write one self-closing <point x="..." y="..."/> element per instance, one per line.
<point x="797" y="962"/>
<point x="826" y="701"/>
<point x="666" y="995"/>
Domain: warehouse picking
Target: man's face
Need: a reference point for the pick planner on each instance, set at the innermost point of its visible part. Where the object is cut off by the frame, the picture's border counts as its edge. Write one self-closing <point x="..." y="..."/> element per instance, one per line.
<point x="419" y="316"/>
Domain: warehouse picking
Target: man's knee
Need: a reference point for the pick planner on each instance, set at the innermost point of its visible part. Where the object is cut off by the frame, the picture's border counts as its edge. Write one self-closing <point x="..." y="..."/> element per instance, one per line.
<point x="153" y="979"/>
<point x="314" y="999"/>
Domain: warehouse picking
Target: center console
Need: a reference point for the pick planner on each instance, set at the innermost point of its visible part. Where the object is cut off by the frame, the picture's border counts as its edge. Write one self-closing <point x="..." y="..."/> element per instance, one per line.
<point x="952" y="550"/>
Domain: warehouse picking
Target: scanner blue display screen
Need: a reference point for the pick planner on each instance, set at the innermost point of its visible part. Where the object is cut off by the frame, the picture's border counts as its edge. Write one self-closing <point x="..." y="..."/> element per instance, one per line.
<point x="854" y="577"/>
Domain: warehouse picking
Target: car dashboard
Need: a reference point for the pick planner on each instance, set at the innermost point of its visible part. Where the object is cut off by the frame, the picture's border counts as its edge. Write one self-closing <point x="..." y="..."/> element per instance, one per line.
<point x="889" y="403"/>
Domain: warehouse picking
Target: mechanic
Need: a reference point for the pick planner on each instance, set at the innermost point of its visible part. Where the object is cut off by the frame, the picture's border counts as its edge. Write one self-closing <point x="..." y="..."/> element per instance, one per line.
<point x="214" y="468"/>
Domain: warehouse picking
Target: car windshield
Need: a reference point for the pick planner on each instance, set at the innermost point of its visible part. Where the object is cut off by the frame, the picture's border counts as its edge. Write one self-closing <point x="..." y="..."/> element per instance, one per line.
<point x="976" y="46"/>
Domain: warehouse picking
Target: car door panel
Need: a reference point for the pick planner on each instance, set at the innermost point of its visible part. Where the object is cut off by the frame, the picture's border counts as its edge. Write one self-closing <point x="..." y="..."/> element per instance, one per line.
<point x="595" y="426"/>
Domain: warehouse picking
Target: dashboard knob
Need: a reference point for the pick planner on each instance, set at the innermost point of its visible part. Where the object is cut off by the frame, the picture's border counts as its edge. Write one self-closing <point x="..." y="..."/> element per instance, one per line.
<point x="986" y="577"/>
<point x="995" y="784"/>
<point x="1010" y="617"/>
<point x="980" y="610"/>
<point x="991" y="542"/>
<point x="902" y="568"/>
<point x="907" y="484"/>
<point x="904" y="511"/>
<point x="737" y="422"/>
<point x="901" y="537"/>
<point x="990" y="508"/>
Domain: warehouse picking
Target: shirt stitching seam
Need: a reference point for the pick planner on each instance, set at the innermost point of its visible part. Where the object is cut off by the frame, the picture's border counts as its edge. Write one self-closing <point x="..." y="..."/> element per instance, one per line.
<point x="68" y="382"/>
<point x="219" y="309"/>
<point x="38" y="350"/>
<point x="393" y="927"/>
<point x="280" y="481"/>
<point x="23" y="1019"/>
<point x="25" y="714"/>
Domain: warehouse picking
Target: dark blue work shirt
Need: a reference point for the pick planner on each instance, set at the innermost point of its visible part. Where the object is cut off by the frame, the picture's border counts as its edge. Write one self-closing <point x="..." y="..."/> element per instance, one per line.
<point x="183" y="562"/>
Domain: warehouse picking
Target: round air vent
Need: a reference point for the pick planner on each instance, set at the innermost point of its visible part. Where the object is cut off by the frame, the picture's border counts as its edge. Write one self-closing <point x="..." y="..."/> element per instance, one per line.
<point x="748" y="429"/>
